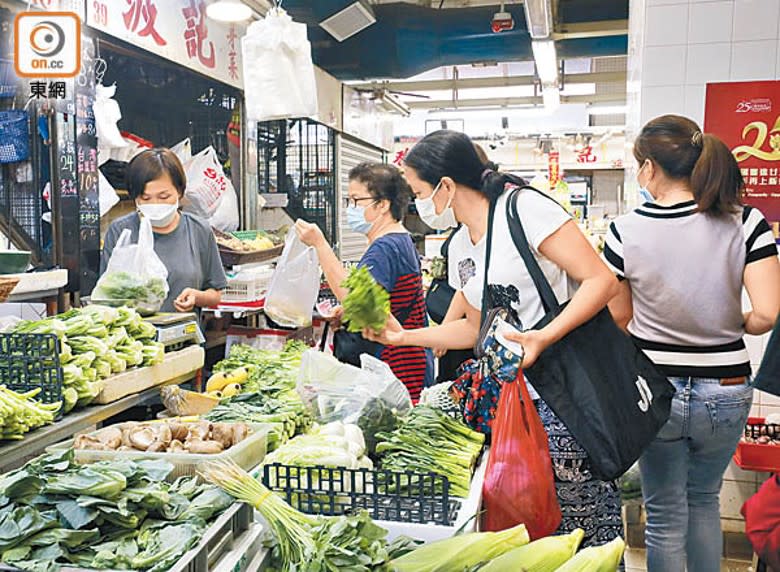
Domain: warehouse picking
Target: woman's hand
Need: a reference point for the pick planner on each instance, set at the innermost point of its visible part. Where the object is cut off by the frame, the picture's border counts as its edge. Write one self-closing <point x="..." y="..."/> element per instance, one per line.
<point x="393" y="334"/>
<point x="187" y="300"/>
<point x="335" y="318"/>
<point x="309" y="234"/>
<point x="534" y="342"/>
<point x="439" y="352"/>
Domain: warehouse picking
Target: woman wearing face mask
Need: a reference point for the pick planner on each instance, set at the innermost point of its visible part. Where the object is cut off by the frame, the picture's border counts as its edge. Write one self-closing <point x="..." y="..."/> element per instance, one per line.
<point x="376" y="204"/>
<point x="683" y="259"/>
<point x="183" y="242"/>
<point x="451" y="185"/>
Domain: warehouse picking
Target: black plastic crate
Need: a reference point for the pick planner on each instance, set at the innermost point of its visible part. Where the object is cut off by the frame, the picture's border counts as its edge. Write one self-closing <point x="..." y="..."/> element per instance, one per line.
<point x="30" y="361"/>
<point x="386" y="495"/>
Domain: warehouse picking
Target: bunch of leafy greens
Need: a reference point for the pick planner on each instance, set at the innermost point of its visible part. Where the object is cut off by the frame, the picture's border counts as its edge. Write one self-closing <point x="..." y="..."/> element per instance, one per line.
<point x="132" y="290"/>
<point x="270" y="371"/>
<point x="367" y="304"/>
<point x="106" y="515"/>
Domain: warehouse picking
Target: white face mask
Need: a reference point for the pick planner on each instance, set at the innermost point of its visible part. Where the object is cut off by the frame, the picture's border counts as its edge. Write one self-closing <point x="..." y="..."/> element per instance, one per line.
<point x="160" y="215"/>
<point x="426" y="208"/>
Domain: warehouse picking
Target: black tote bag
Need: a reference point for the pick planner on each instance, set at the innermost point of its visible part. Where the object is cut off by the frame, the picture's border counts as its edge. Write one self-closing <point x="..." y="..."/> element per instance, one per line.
<point x="606" y="391"/>
<point x="768" y="376"/>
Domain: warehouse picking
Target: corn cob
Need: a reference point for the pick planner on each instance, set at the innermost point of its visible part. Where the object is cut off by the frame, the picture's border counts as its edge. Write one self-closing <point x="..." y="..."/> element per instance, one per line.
<point x="604" y="558"/>
<point x="543" y="555"/>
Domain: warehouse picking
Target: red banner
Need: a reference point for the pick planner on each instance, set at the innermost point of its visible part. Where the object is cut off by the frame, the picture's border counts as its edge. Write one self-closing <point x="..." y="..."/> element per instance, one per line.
<point x="746" y="116"/>
<point x="554" y="168"/>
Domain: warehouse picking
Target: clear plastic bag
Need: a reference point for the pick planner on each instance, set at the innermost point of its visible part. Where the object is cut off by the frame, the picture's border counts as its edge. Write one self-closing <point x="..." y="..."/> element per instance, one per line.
<point x="210" y="193"/>
<point x="295" y="284"/>
<point x="135" y="275"/>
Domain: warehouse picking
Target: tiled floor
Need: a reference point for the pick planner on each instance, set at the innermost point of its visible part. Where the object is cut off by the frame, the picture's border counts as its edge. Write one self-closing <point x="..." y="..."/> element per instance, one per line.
<point x="635" y="562"/>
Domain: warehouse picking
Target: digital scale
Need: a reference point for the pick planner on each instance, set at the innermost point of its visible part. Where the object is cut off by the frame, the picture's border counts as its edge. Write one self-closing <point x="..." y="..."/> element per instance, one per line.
<point x="176" y="330"/>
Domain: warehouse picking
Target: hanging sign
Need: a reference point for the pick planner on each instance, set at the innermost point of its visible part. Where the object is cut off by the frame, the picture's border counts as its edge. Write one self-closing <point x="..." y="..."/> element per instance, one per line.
<point x="177" y="30"/>
<point x="554" y="168"/>
<point x="746" y="116"/>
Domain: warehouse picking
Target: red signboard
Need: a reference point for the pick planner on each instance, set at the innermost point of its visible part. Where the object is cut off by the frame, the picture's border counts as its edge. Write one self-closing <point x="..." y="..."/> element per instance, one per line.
<point x="554" y="168"/>
<point x="746" y="116"/>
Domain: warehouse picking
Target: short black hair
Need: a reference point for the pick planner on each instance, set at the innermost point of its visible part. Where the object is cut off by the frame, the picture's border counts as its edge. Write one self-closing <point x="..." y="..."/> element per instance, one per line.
<point x="152" y="164"/>
<point x="384" y="182"/>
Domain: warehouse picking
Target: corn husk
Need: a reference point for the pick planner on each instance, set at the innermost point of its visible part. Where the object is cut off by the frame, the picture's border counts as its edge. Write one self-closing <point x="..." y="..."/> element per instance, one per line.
<point x="604" y="558"/>
<point x="543" y="555"/>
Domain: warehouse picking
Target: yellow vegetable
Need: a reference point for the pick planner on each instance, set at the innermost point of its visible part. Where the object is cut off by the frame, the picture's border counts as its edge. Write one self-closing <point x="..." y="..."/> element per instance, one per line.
<point x="604" y="558"/>
<point x="461" y="552"/>
<point x="221" y="379"/>
<point x="543" y="555"/>
<point x="231" y="390"/>
<point x="182" y="402"/>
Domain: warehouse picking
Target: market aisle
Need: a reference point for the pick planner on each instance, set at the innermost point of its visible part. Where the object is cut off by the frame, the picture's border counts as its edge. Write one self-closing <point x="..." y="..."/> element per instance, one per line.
<point x="635" y="562"/>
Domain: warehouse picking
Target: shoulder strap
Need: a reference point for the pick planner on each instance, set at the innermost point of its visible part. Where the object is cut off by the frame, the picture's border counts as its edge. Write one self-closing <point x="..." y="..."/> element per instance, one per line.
<point x="549" y="300"/>
<point x="486" y="302"/>
<point x="445" y="247"/>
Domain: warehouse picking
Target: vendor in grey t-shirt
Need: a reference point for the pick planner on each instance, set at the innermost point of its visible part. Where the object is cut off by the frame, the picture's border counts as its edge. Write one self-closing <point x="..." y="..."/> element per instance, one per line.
<point x="184" y="243"/>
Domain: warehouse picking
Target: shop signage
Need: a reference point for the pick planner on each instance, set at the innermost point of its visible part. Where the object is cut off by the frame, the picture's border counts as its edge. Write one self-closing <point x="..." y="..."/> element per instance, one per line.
<point x="554" y="168"/>
<point x="746" y="116"/>
<point x="177" y="30"/>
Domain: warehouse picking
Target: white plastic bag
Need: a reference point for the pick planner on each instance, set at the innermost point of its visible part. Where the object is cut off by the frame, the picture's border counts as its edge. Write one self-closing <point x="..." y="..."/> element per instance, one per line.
<point x="295" y="284"/>
<point x="107" y="114"/>
<point x="107" y="196"/>
<point x="183" y="150"/>
<point x="279" y="77"/>
<point x="135" y="275"/>
<point x="208" y="188"/>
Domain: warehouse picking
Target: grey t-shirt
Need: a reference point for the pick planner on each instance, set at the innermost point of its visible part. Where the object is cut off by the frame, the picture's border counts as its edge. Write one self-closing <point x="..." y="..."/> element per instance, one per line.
<point x="189" y="253"/>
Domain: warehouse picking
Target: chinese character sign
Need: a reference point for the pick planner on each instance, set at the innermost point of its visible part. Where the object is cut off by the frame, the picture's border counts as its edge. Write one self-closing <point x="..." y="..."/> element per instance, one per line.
<point x="746" y="116"/>
<point x="554" y="168"/>
<point x="177" y="30"/>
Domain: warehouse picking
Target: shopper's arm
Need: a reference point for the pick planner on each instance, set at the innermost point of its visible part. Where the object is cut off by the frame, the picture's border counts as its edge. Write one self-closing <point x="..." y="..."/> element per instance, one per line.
<point x="335" y="273"/>
<point x="621" y="306"/>
<point x="456" y="311"/>
<point x="457" y="335"/>
<point x="762" y="282"/>
<point x="570" y="250"/>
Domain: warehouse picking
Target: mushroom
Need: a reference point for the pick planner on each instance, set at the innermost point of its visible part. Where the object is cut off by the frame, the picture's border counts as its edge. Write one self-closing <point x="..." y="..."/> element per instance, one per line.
<point x="197" y="446"/>
<point x="240" y="432"/>
<point x="157" y="447"/>
<point x="179" y="431"/>
<point x="141" y="438"/>
<point x="163" y="432"/>
<point x="176" y="446"/>
<point x="89" y="442"/>
<point x="127" y="429"/>
<point x="222" y="432"/>
<point x="111" y="437"/>
<point x="200" y="430"/>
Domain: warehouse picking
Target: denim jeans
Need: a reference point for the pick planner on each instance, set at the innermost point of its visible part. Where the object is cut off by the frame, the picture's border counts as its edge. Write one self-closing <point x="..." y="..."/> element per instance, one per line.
<point x="682" y="471"/>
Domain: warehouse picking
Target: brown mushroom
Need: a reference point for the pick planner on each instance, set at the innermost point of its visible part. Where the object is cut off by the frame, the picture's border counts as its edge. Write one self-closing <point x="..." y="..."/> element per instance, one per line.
<point x="179" y="431"/>
<point x="88" y="442"/>
<point x="127" y="429"/>
<point x="157" y="447"/>
<point x="197" y="446"/>
<point x="200" y="430"/>
<point x="111" y="437"/>
<point x="222" y="432"/>
<point x="163" y="432"/>
<point x="240" y="432"/>
<point x="141" y="438"/>
<point x="176" y="446"/>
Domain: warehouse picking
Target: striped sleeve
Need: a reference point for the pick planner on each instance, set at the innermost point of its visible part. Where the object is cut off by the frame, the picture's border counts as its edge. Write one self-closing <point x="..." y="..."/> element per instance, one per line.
<point x="613" y="252"/>
<point x="759" y="239"/>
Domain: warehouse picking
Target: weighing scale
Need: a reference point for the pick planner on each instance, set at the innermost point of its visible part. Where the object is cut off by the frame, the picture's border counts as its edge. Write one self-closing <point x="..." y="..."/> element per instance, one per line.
<point x="176" y="330"/>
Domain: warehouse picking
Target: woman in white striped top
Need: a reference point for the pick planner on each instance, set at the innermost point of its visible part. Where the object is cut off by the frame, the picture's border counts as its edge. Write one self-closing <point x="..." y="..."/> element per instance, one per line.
<point x="683" y="261"/>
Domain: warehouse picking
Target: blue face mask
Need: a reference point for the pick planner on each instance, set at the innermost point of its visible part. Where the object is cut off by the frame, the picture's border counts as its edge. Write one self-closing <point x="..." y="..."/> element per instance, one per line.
<point x="645" y="195"/>
<point x="356" y="219"/>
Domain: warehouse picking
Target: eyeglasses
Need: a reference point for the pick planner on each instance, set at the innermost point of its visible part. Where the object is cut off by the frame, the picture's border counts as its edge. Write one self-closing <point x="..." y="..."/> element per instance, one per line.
<point x="350" y="202"/>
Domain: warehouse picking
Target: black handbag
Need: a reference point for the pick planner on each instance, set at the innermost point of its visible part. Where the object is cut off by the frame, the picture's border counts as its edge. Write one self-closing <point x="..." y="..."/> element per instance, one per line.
<point x="768" y="376"/>
<point x="440" y="293"/>
<point x="349" y="346"/>
<point x="606" y="391"/>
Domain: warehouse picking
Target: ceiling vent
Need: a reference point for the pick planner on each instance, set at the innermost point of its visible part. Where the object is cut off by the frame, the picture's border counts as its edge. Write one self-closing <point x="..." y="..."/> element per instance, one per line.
<point x="349" y="21"/>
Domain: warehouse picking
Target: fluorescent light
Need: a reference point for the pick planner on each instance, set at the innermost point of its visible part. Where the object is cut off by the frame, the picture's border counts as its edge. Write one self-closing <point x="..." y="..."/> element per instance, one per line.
<point x="546" y="59"/>
<point x="551" y="97"/>
<point x="607" y="110"/>
<point x="228" y="11"/>
<point x="538" y="16"/>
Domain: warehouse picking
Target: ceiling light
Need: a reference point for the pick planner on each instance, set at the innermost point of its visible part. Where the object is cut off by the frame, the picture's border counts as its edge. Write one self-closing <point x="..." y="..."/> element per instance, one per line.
<point x="538" y="16"/>
<point x="228" y="11"/>
<point x="349" y="21"/>
<point x="546" y="58"/>
<point x="551" y="97"/>
<point x="608" y="110"/>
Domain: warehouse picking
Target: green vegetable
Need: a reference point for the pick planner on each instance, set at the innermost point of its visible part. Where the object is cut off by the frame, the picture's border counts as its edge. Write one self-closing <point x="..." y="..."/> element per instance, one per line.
<point x="367" y="304"/>
<point x="376" y="417"/>
<point x="153" y="353"/>
<point x="20" y="413"/>
<point x="132" y="289"/>
<point x="430" y="441"/>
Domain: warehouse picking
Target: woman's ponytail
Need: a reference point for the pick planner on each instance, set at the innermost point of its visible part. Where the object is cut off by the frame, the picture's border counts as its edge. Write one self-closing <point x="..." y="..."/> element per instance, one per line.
<point x="716" y="181"/>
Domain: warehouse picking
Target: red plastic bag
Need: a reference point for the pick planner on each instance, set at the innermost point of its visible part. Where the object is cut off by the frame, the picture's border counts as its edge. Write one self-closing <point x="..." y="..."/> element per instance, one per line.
<point x="519" y="485"/>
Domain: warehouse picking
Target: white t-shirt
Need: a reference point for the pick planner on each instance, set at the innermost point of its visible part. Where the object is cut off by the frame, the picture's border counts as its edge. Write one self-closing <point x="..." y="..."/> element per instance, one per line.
<point x="509" y="282"/>
<point x="465" y="260"/>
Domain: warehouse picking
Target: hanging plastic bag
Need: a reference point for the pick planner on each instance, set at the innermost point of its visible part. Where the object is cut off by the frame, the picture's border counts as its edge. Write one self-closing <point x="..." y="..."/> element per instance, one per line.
<point x="135" y="275"/>
<point x="183" y="150"/>
<point x="107" y="114"/>
<point x="279" y="79"/>
<point x="208" y="188"/>
<point x="107" y="196"/>
<point x="295" y="284"/>
<point x="519" y="485"/>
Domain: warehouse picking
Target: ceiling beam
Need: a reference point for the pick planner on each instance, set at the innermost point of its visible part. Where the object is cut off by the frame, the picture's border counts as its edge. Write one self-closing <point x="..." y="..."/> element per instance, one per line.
<point x="591" y="30"/>
<point x="616" y="98"/>
<point x="498" y="81"/>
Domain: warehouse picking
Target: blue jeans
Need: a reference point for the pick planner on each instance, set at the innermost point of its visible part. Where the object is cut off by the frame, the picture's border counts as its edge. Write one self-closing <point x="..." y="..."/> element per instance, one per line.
<point x="682" y="471"/>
